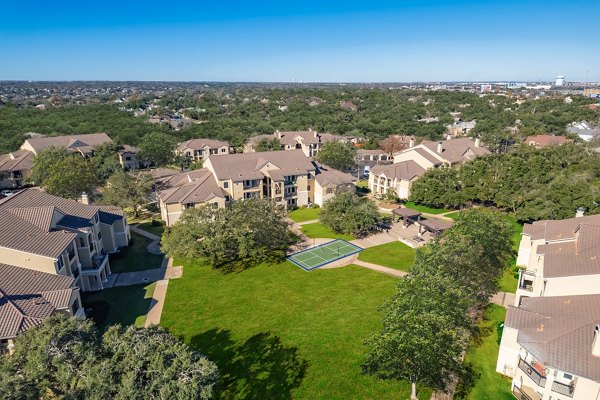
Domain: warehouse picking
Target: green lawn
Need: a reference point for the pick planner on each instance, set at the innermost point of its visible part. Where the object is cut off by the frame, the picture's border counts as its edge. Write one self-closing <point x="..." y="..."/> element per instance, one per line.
<point x="425" y="209"/>
<point x="483" y="357"/>
<point x="125" y="305"/>
<point x="395" y="255"/>
<point x="277" y="332"/>
<point x="135" y="257"/>
<point x="148" y="227"/>
<point x="318" y="230"/>
<point x="363" y="184"/>
<point x="305" y="214"/>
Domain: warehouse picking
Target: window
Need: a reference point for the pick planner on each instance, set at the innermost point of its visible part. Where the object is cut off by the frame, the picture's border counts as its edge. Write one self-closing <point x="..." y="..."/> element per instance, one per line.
<point x="290" y="190"/>
<point x="127" y="158"/>
<point x="223" y="150"/>
<point x="61" y="263"/>
<point x="568" y="376"/>
<point x="308" y="187"/>
<point x="291" y="202"/>
<point x="189" y="205"/>
<point x="75" y="307"/>
<point x="81" y="242"/>
<point x="225" y="185"/>
<point x="99" y="235"/>
<point x="227" y="198"/>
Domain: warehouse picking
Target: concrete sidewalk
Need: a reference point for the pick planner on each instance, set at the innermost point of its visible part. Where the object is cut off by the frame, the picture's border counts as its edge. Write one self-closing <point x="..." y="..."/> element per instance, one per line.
<point x="157" y="304"/>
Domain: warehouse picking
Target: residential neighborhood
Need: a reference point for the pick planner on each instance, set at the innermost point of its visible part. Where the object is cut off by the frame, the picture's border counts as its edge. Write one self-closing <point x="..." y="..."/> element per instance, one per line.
<point x="300" y="200"/>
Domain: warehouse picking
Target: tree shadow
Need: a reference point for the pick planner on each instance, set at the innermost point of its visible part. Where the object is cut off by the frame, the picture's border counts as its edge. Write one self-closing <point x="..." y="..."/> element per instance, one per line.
<point x="259" y="368"/>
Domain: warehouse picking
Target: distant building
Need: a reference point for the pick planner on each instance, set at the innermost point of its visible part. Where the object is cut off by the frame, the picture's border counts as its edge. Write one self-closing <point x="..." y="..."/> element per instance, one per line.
<point x="15" y="168"/>
<point x="410" y="164"/>
<point x="540" y="141"/>
<point x="595" y="93"/>
<point x="584" y="130"/>
<point x="310" y="142"/>
<point x="560" y="80"/>
<point x="128" y="158"/>
<point x="201" y="149"/>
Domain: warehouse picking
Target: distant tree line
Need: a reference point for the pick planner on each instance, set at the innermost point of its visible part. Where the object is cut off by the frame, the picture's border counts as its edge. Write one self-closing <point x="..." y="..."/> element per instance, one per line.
<point x="550" y="183"/>
<point x="234" y="114"/>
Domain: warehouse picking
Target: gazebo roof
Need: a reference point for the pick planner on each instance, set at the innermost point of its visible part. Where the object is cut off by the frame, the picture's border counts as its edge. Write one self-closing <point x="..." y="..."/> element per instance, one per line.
<point x="435" y="225"/>
<point x="407" y="213"/>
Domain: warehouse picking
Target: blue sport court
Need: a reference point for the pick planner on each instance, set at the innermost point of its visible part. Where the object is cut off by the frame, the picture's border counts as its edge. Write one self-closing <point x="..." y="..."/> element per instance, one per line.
<point x="323" y="254"/>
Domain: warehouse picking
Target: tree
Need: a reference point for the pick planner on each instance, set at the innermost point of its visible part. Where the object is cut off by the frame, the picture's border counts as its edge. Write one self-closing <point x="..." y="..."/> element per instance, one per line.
<point x="67" y="358"/>
<point x="106" y="160"/>
<point x="157" y="148"/>
<point x="249" y="232"/>
<point x="268" y="145"/>
<point x="428" y="322"/>
<point x="337" y="155"/>
<point x="425" y="331"/>
<point x="63" y="173"/>
<point x="128" y="191"/>
<point x="350" y="214"/>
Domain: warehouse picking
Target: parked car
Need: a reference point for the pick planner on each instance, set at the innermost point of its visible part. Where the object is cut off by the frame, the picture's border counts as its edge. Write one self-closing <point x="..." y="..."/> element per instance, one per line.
<point x="6" y="193"/>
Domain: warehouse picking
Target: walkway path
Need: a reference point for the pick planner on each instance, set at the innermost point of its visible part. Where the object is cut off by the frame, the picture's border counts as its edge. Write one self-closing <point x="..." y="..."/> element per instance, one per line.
<point x="312" y="221"/>
<point x="503" y="299"/>
<point x="153" y="247"/>
<point x="380" y="268"/>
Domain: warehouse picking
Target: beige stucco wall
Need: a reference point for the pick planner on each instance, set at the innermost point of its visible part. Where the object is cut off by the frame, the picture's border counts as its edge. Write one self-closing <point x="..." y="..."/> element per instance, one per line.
<point x="508" y="355"/>
<point x="28" y="260"/>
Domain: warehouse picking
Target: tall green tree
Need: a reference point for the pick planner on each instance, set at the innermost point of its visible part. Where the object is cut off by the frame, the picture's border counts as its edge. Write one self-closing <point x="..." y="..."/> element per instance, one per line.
<point x="349" y="213"/>
<point x="157" y="148"/>
<point x="268" y="145"/>
<point x="338" y="155"/>
<point x="63" y="173"/>
<point x="106" y="160"/>
<point x="128" y="191"/>
<point x="66" y="358"/>
<point x="249" y="231"/>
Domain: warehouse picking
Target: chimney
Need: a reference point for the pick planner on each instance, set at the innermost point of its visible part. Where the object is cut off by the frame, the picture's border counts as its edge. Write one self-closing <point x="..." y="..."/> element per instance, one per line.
<point x="278" y="134"/>
<point x="477" y="142"/>
<point x="580" y="212"/>
<point x="596" y="342"/>
<point x="439" y="147"/>
<point x="449" y="136"/>
<point x="411" y="143"/>
<point x="84" y="198"/>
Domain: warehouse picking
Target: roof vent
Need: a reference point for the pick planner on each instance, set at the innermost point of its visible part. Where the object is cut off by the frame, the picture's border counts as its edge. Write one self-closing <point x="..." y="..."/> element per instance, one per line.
<point x="579" y="213"/>
<point x="596" y="341"/>
<point x="541" y="328"/>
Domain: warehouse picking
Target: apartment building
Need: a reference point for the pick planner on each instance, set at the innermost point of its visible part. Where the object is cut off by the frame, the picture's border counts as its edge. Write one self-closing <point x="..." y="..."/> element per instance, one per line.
<point x="310" y="142"/>
<point x="50" y="234"/>
<point x="128" y="158"/>
<point x="28" y="297"/>
<point x="201" y="149"/>
<point x="187" y="190"/>
<point x="560" y="257"/>
<point x="551" y="348"/>
<point x="410" y="164"/>
<point x="82" y="144"/>
<point x="15" y="168"/>
<point x="287" y="177"/>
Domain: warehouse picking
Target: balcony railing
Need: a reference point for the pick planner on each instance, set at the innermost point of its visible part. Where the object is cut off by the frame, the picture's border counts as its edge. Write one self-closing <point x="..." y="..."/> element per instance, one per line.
<point x="526" y="284"/>
<point x="531" y="371"/>
<point x="519" y="394"/>
<point x="563" y="388"/>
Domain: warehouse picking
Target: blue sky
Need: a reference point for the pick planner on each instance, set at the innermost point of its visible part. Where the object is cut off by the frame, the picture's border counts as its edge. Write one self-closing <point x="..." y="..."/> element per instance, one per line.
<point x="329" y="41"/>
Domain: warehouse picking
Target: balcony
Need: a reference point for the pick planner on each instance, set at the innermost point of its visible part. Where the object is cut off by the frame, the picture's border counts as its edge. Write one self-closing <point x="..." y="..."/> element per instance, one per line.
<point x="288" y="182"/>
<point x="535" y="370"/>
<point x="526" y="279"/>
<point x="563" y="388"/>
<point x="525" y="393"/>
<point x="98" y="262"/>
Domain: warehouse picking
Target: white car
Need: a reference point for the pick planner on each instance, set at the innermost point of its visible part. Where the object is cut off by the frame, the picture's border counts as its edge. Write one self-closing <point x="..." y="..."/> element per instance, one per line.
<point x="6" y="193"/>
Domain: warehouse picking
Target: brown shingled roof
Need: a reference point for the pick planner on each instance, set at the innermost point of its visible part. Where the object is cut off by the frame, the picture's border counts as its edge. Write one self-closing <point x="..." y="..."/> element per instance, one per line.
<point x="197" y="144"/>
<point x="72" y="142"/>
<point x="16" y="161"/>
<point x="27" y="297"/>
<point x="200" y="189"/>
<point x="456" y="150"/>
<point x="244" y="166"/>
<point x="559" y="331"/>
<point x="405" y="170"/>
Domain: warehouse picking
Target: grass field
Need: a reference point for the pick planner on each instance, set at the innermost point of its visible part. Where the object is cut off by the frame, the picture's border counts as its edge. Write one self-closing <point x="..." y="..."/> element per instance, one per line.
<point x="305" y="214"/>
<point x="135" y="257"/>
<point x="395" y="255"/>
<point x="425" y="209"/>
<point x="125" y="305"/>
<point x="277" y="332"/>
<point x="323" y="254"/>
<point x="318" y="230"/>
<point x="490" y="385"/>
<point x="148" y="227"/>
